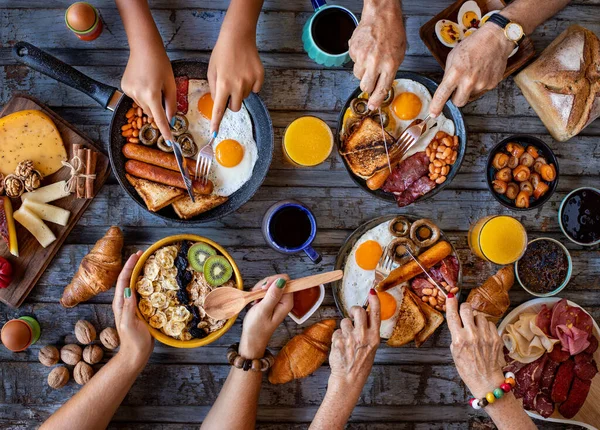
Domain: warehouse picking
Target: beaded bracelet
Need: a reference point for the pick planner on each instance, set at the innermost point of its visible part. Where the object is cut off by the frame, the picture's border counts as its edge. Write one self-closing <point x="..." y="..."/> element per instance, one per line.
<point x="256" y="365"/>
<point x="498" y="393"/>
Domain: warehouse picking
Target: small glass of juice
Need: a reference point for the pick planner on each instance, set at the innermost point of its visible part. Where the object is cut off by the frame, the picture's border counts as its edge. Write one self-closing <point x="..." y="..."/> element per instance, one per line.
<point x="499" y="239"/>
<point x="307" y="141"/>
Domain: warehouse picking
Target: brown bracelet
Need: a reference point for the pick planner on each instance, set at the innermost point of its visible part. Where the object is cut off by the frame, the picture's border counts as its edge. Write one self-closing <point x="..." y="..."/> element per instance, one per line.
<point x="256" y="365"/>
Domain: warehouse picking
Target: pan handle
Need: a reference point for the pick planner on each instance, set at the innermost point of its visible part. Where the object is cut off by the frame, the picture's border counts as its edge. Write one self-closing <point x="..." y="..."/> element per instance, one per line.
<point x="50" y="66"/>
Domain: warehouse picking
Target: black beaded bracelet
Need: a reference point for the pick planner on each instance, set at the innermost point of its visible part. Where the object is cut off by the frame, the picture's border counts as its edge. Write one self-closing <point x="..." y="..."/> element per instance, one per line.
<point x="246" y="364"/>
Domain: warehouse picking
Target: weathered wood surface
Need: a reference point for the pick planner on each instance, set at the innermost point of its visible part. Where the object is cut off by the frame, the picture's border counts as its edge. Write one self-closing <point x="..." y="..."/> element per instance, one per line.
<point x="409" y="388"/>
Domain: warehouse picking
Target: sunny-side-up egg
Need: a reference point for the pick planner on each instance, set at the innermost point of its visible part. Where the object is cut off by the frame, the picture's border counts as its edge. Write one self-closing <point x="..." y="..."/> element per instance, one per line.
<point x="390" y="302"/>
<point x="234" y="148"/>
<point x="359" y="274"/>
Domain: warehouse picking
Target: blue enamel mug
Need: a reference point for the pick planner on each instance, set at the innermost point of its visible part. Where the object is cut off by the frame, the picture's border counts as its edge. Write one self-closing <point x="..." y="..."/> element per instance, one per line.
<point x="290" y="227"/>
<point x="327" y="32"/>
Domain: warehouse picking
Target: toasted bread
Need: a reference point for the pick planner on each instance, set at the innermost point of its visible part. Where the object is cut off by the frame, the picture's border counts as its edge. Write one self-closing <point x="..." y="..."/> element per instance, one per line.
<point x="410" y="322"/>
<point x="187" y="209"/>
<point x="364" y="149"/>
<point x="433" y="319"/>
<point x="156" y="196"/>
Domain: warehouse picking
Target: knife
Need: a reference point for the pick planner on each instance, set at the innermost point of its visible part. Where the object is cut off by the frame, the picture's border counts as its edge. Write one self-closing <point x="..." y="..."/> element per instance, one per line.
<point x="179" y="157"/>
<point x="387" y="154"/>
<point x="426" y="272"/>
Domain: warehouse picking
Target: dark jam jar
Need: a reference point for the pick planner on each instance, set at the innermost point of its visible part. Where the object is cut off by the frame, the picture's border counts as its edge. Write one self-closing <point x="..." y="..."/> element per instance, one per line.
<point x="545" y="268"/>
<point x="579" y="216"/>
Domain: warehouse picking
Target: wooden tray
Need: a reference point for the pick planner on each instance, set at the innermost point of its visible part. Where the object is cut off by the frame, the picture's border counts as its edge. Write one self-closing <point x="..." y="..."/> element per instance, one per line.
<point x="33" y="258"/>
<point x="589" y="414"/>
<point x="440" y="52"/>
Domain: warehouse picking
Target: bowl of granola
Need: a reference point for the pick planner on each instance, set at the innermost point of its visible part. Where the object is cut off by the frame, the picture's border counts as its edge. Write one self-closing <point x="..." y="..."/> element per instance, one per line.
<point x="171" y="280"/>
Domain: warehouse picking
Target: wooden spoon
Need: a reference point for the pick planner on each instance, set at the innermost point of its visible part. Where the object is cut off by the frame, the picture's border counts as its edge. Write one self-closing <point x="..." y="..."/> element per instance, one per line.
<point x="226" y="302"/>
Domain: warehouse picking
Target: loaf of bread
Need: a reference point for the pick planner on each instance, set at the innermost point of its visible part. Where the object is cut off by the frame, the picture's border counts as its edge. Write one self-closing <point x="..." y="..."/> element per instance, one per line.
<point x="563" y="84"/>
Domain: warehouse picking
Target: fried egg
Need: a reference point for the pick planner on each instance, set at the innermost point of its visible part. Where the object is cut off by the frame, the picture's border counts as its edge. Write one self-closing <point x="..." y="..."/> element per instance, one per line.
<point x="390" y="302"/>
<point x="411" y="101"/>
<point x="235" y="151"/>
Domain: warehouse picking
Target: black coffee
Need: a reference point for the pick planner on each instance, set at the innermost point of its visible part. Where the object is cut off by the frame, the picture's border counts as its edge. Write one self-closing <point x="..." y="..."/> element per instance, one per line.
<point x="332" y="29"/>
<point x="581" y="216"/>
<point x="290" y="227"/>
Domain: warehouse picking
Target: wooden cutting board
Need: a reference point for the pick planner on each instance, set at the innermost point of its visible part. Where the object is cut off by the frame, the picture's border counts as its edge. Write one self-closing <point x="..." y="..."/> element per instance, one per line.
<point x="34" y="259"/>
<point x="589" y="414"/>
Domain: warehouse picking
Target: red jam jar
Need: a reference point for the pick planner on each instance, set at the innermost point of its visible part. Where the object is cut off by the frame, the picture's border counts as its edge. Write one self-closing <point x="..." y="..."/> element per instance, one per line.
<point x="84" y="20"/>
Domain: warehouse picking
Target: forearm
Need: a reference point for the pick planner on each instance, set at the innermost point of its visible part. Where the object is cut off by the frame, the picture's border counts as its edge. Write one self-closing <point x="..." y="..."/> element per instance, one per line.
<point x="139" y="24"/>
<point x="532" y="13"/>
<point x="95" y="404"/>
<point x="242" y="16"/>
<point x="508" y="413"/>
<point x="337" y="406"/>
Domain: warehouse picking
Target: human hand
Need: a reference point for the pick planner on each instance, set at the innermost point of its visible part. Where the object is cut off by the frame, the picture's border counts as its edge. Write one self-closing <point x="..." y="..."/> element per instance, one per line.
<point x="263" y="317"/>
<point x="354" y="345"/>
<point x="475" y="65"/>
<point x="377" y="48"/>
<point x="136" y="342"/>
<point x="234" y="70"/>
<point x="476" y="348"/>
<point x="147" y="78"/>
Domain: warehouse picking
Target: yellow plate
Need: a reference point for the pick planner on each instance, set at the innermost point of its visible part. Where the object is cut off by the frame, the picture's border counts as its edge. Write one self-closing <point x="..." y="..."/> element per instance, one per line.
<point x="157" y="334"/>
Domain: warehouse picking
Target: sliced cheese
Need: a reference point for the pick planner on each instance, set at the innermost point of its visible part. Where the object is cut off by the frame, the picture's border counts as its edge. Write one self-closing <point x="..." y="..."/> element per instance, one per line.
<point x="48" y="212"/>
<point x="49" y="193"/>
<point x="30" y="135"/>
<point x="35" y="226"/>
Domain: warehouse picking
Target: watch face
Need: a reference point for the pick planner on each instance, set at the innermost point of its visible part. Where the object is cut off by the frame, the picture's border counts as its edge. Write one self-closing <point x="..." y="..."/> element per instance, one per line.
<point x="514" y="31"/>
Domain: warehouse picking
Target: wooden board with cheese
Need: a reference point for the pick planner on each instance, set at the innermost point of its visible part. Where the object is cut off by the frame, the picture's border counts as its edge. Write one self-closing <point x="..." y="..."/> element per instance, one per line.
<point x="43" y="217"/>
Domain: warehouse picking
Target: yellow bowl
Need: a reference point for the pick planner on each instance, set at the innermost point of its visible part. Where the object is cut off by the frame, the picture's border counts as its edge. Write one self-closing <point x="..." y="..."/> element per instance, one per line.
<point x="157" y="334"/>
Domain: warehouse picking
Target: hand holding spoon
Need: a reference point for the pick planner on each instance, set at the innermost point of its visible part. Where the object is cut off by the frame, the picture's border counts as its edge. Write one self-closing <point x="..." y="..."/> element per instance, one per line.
<point x="225" y="302"/>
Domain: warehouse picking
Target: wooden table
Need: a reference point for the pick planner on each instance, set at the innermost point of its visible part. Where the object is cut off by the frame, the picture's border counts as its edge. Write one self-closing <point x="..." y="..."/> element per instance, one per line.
<point x="408" y="388"/>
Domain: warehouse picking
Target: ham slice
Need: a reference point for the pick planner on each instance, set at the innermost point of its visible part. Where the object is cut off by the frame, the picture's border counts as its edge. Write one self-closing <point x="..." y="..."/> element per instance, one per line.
<point x="543" y="319"/>
<point x="418" y="188"/>
<point x="449" y="270"/>
<point x="406" y="173"/>
<point x="572" y="338"/>
<point x="570" y="316"/>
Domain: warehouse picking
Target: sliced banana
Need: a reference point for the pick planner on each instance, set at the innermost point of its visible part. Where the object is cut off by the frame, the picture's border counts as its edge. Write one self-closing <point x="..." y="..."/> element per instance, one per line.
<point x="159" y="300"/>
<point x="181" y="314"/>
<point x="169" y="284"/>
<point x="144" y="287"/>
<point x="146" y="308"/>
<point x="158" y="320"/>
<point x="151" y="269"/>
<point x="174" y="328"/>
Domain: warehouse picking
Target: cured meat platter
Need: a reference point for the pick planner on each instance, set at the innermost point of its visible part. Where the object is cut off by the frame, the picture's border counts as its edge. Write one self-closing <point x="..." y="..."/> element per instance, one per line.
<point x="589" y="414"/>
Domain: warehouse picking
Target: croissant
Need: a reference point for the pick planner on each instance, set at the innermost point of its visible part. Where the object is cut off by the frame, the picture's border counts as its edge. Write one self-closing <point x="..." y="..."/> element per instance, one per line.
<point x="303" y="354"/>
<point x="98" y="270"/>
<point x="491" y="298"/>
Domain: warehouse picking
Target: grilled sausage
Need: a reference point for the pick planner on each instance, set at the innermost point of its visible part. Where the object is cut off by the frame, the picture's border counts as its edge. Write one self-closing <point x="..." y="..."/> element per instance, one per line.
<point x="155" y="157"/>
<point x="164" y="176"/>
<point x="562" y="382"/>
<point x="576" y="399"/>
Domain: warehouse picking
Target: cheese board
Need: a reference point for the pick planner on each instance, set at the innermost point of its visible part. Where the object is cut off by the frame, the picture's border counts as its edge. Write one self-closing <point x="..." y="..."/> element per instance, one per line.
<point x="33" y="258"/>
<point x="589" y="414"/>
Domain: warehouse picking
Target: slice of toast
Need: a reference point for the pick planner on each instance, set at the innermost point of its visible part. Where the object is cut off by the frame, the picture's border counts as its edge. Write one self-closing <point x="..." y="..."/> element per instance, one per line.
<point x="364" y="149"/>
<point x="156" y="196"/>
<point x="410" y="322"/>
<point x="433" y="319"/>
<point x="187" y="209"/>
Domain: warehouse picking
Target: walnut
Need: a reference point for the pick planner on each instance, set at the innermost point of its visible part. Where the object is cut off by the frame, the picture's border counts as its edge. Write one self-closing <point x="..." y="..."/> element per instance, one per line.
<point x="14" y="186"/>
<point x="48" y="355"/>
<point x="24" y="169"/>
<point x="33" y="181"/>
<point x="92" y="354"/>
<point x="85" y="332"/>
<point x="110" y="338"/>
<point x="58" y="377"/>
<point x="82" y="373"/>
<point x="71" y="354"/>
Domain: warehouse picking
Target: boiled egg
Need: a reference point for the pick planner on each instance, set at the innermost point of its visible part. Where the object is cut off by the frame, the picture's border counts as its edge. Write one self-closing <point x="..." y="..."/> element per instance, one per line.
<point x="469" y="32"/>
<point x="390" y="302"/>
<point x="485" y="17"/>
<point x="469" y="15"/>
<point x="448" y="32"/>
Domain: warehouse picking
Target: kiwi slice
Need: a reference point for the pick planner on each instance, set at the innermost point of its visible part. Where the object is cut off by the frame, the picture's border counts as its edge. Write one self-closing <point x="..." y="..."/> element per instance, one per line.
<point x="198" y="254"/>
<point x="217" y="270"/>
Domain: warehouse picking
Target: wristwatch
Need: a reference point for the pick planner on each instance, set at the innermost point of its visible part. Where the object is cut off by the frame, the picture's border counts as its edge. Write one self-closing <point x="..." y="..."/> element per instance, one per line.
<point x="513" y="31"/>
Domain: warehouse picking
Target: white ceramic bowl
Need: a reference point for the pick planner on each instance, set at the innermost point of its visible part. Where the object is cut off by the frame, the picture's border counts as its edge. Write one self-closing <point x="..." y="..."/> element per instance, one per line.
<point x="312" y="310"/>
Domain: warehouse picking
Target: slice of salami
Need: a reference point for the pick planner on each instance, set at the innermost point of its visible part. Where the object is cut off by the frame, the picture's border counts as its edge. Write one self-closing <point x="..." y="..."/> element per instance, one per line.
<point x="593" y="345"/>
<point x="557" y="354"/>
<point x="576" y="399"/>
<point x="543" y="319"/>
<point x="562" y="381"/>
<point x="586" y="370"/>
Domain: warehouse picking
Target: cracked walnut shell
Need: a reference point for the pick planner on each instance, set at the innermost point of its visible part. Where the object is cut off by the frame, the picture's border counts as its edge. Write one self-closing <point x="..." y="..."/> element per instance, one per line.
<point x="13" y="186"/>
<point x="58" y="377"/>
<point x="71" y="354"/>
<point x="24" y="169"/>
<point x="110" y="338"/>
<point x="82" y="373"/>
<point x="33" y="181"/>
<point x="92" y="354"/>
<point x="85" y="332"/>
<point x="49" y="355"/>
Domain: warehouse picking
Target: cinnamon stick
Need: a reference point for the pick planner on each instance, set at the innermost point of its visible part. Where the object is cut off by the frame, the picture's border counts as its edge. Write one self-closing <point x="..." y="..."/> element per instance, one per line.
<point x="90" y="169"/>
<point x="81" y="181"/>
<point x="73" y="184"/>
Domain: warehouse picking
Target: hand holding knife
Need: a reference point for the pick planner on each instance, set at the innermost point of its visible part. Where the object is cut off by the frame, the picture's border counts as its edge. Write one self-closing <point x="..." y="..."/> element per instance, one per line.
<point x="181" y="164"/>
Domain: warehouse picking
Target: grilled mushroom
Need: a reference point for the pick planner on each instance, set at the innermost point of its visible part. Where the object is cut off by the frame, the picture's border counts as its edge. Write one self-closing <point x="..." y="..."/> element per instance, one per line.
<point x="424" y="233"/>
<point x="400" y="226"/>
<point x="389" y="98"/>
<point x="188" y="146"/>
<point x="179" y="125"/>
<point x="381" y="117"/>
<point x="148" y="135"/>
<point x="359" y="107"/>
<point x="399" y="246"/>
<point x="162" y="145"/>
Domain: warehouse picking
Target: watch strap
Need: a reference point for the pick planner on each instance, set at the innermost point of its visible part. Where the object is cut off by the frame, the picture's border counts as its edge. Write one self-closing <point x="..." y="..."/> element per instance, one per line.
<point x="499" y="20"/>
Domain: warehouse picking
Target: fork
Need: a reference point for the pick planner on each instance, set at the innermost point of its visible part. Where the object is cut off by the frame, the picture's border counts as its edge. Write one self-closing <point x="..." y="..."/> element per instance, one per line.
<point x="204" y="160"/>
<point x="383" y="269"/>
<point x="409" y="137"/>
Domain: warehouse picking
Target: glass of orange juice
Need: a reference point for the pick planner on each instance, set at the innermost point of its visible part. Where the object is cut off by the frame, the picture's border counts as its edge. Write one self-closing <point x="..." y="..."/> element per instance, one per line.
<point x="307" y="141"/>
<point x="500" y="239"/>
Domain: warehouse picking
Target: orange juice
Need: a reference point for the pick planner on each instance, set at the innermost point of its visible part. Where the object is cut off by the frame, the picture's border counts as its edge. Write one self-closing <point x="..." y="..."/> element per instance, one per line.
<point x="499" y="239"/>
<point x="307" y="141"/>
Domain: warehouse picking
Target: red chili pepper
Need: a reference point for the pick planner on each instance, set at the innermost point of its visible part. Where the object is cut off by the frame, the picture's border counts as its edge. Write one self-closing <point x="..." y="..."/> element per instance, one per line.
<point x="6" y="273"/>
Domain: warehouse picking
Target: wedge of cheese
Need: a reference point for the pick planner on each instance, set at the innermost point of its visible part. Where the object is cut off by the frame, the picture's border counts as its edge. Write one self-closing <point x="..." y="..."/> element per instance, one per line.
<point x="35" y="226"/>
<point x="48" y="212"/>
<point x="30" y="135"/>
<point x="49" y="193"/>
